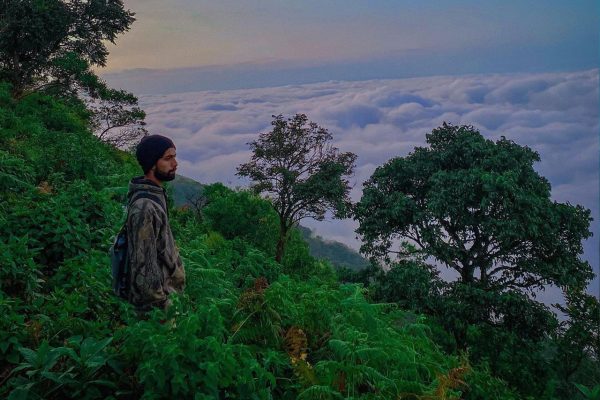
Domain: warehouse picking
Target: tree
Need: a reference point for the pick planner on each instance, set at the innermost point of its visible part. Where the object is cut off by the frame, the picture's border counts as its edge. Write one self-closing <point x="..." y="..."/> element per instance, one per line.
<point x="478" y="207"/>
<point x="42" y="40"/>
<point x="50" y="46"/>
<point x="300" y="171"/>
<point x="579" y="343"/>
<point x="117" y="120"/>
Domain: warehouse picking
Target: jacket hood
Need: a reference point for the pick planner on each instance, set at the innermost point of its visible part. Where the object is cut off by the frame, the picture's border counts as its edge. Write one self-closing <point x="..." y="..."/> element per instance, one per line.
<point x="140" y="183"/>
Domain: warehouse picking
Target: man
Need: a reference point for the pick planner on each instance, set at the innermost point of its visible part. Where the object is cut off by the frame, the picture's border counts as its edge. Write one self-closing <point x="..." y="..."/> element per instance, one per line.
<point x="155" y="265"/>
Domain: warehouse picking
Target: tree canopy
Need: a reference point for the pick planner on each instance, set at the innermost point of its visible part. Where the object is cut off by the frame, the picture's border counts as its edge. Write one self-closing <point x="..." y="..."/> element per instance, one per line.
<point x="41" y="41"/>
<point x="478" y="207"/>
<point x="300" y="171"/>
<point x="50" y="46"/>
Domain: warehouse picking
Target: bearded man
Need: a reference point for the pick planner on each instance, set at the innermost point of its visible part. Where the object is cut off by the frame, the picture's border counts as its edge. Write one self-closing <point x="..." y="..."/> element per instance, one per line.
<point x="156" y="269"/>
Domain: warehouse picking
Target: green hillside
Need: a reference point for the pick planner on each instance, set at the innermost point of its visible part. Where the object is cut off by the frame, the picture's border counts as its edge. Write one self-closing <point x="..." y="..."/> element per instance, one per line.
<point x="185" y="191"/>
<point x="340" y="255"/>
<point x="188" y="192"/>
<point x="246" y="327"/>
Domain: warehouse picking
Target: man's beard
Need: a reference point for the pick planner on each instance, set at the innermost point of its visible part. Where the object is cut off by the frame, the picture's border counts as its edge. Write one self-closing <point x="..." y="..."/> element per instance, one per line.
<point x="164" y="177"/>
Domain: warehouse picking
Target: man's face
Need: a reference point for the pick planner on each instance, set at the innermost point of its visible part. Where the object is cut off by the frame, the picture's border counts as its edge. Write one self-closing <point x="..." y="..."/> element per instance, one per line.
<point x="165" y="167"/>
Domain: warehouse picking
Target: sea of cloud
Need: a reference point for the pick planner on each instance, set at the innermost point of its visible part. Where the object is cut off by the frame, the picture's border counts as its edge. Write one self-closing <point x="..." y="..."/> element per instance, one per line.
<point x="556" y="114"/>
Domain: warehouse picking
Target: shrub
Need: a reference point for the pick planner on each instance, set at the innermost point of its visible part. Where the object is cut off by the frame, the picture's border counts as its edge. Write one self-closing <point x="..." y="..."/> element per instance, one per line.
<point x="63" y="225"/>
<point x="20" y="276"/>
<point x="243" y="215"/>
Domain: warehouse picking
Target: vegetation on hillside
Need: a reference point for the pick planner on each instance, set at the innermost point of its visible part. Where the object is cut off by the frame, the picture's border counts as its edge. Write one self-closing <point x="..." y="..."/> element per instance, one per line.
<point x="51" y="46"/>
<point x="246" y="326"/>
<point x="340" y="255"/>
<point x="190" y="194"/>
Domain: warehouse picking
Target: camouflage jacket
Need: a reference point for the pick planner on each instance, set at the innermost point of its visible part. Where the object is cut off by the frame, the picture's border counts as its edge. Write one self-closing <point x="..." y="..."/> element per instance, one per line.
<point x="155" y="266"/>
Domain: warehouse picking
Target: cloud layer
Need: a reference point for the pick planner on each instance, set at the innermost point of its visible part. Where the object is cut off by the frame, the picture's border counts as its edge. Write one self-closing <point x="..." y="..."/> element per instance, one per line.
<point x="556" y="114"/>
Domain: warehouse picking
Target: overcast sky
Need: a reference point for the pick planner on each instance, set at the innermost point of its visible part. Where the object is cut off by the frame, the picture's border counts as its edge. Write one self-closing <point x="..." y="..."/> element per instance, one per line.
<point x="378" y="74"/>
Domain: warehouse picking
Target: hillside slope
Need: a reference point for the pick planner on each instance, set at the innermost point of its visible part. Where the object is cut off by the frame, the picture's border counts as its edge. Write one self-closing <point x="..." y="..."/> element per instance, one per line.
<point x="246" y="327"/>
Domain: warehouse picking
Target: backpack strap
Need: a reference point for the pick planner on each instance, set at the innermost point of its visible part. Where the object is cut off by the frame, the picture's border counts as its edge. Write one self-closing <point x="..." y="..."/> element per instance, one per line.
<point x="143" y="195"/>
<point x="154" y="198"/>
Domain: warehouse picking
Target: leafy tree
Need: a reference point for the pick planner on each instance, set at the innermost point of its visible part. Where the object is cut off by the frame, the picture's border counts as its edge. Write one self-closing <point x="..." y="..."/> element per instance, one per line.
<point x="50" y="46"/>
<point x="501" y="330"/>
<point x="41" y="41"/>
<point x="478" y="207"/>
<point x="579" y="344"/>
<point x="117" y="119"/>
<point x="301" y="172"/>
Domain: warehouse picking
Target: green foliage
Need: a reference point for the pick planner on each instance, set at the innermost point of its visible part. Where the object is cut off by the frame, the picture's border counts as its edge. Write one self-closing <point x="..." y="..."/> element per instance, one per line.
<point x="497" y="329"/>
<point x="589" y="393"/>
<point x="241" y="214"/>
<point x="480" y="208"/>
<point x="187" y="193"/>
<point x="413" y="285"/>
<point x="38" y="36"/>
<point x="74" y="369"/>
<point x="52" y="139"/>
<point x="50" y="46"/>
<point x="16" y="176"/>
<point x="61" y="225"/>
<point x="482" y="386"/>
<point x="298" y="262"/>
<point x="340" y="255"/>
<point x="78" y="301"/>
<point x="13" y="329"/>
<point x="476" y="206"/>
<point x="116" y="118"/>
<point x="187" y="356"/>
<point x="357" y="348"/>
<point x="578" y="350"/>
<point x="20" y="275"/>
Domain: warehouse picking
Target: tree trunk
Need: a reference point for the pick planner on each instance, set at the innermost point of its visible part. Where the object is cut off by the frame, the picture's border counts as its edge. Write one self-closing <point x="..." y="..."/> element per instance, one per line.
<point x="281" y="244"/>
<point x="466" y="273"/>
<point x="460" y="337"/>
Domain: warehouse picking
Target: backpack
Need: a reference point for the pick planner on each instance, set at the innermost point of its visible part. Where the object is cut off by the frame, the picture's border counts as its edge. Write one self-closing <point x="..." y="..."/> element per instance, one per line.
<point x="118" y="252"/>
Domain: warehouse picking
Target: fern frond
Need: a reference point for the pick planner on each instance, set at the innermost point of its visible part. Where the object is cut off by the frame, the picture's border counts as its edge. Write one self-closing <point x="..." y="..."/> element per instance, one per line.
<point x="340" y="348"/>
<point x="319" y="392"/>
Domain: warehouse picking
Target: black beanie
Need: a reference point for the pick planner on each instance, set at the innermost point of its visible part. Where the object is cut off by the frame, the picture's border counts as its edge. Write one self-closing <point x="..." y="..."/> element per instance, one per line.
<point x="151" y="149"/>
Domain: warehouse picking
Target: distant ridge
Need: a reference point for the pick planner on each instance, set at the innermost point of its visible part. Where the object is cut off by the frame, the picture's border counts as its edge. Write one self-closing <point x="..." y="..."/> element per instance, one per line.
<point x="338" y="253"/>
<point x="184" y="190"/>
